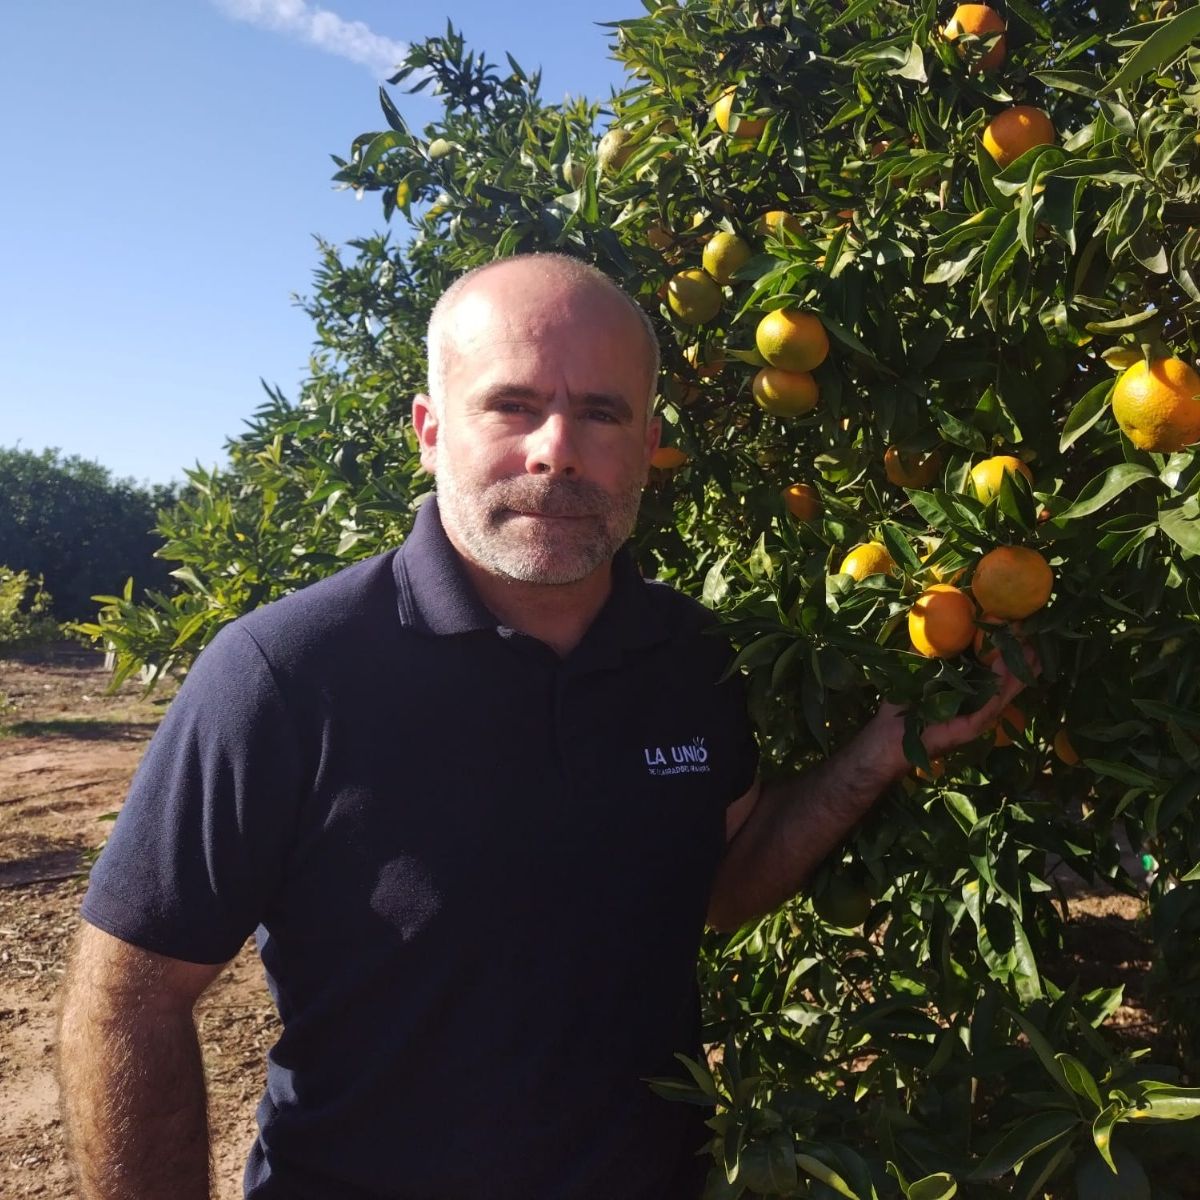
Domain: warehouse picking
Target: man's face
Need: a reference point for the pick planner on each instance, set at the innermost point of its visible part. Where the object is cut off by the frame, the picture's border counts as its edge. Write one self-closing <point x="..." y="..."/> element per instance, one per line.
<point x="542" y="447"/>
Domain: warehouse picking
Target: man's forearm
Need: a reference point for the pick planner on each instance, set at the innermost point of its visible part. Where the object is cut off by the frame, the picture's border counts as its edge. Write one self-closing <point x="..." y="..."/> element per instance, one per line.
<point x="794" y="826"/>
<point x="133" y="1099"/>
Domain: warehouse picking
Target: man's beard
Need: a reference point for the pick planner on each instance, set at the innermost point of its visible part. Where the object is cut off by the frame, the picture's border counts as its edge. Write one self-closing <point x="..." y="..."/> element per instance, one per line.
<point x="554" y="552"/>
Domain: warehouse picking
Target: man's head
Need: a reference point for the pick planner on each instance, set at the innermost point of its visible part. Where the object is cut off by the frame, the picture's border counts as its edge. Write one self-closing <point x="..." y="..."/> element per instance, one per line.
<point x="538" y="424"/>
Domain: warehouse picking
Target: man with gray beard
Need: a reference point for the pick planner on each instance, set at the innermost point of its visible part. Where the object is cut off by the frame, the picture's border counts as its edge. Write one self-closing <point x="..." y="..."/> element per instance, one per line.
<point x="477" y="797"/>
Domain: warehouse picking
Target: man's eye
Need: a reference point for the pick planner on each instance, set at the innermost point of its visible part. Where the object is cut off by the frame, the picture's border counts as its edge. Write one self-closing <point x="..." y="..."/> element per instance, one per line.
<point x="601" y="414"/>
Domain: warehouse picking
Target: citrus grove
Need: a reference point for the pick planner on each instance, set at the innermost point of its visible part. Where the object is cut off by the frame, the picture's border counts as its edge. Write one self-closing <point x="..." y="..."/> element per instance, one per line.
<point x="925" y="282"/>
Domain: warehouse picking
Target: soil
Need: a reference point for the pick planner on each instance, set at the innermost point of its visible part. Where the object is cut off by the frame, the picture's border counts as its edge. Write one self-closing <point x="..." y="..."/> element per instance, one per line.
<point x="67" y="754"/>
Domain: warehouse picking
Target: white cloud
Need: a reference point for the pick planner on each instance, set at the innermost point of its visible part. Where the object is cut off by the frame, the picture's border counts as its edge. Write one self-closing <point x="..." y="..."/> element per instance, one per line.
<point x="321" y="28"/>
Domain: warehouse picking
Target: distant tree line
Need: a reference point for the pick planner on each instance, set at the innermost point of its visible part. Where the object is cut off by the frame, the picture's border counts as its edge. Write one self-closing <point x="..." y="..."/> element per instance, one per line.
<point x="85" y="532"/>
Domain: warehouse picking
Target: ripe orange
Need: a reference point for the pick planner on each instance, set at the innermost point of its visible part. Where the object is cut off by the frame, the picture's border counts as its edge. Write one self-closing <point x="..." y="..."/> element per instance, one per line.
<point x="785" y="393"/>
<point x="1157" y="405"/>
<point x="1012" y="582"/>
<point x="792" y="339"/>
<point x="668" y="458"/>
<point x="724" y="254"/>
<point x="867" y="558"/>
<point x="803" y="501"/>
<point x="1016" y="130"/>
<point x="986" y="475"/>
<point x="942" y="621"/>
<point x="776" y="222"/>
<point x="986" y="649"/>
<point x="1011" y="722"/>
<point x="911" y="468"/>
<point x="614" y="150"/>
<point x="1067" y="753"/>
<point x="694" y="297"/>
<point x="742" y="128"/>
<point x="977" y="20"/>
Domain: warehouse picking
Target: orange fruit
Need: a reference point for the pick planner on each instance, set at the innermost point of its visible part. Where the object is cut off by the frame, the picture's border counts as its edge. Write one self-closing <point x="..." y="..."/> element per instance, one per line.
<point x="867" y="558"/>
<point x="1016" y="130"/>
<point x="986" y="649"/>
<point x="803" y="501"/>
<point x="942" y="621"/>
<point x="785" y="393"/>
<point x="724" y="254"/>
<point x="911" y="468"/>
<point x="1067" y="753"/>
<point x="792" y="339"/>
<point x="776" y="222"/>
<point x="742" y="128"/>
<point x="977" y="20"/>
<point x="668" y="458"/>
<point x="614" y="150"/>
<point x="1012" y="582"/>
<point x="694" y="297"/>
<point x="986" y="475"/>
<point x="937" y="768"/>
<point x="1157" y="404"/>
<point x="1011" y="722"/>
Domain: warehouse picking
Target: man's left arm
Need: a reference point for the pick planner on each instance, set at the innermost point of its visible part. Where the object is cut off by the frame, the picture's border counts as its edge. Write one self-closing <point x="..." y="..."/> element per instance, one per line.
<point x="779" y="832"/>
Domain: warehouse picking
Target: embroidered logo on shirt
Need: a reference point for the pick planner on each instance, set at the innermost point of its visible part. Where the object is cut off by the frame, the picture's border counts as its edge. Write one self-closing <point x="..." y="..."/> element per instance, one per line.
<point x="689" y="759"/>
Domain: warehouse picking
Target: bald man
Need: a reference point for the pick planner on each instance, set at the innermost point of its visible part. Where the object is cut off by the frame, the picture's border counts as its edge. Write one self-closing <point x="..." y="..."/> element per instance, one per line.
<point x="476" y="797"/>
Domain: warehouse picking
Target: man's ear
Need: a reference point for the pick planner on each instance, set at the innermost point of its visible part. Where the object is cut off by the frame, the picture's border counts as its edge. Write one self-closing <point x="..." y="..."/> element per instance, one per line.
<point x="653" y="437"/>
<point x="425" y="422"/>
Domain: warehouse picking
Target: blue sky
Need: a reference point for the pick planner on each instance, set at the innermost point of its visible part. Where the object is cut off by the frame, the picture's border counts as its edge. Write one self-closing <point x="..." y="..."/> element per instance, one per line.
<point x="165" y="168"/>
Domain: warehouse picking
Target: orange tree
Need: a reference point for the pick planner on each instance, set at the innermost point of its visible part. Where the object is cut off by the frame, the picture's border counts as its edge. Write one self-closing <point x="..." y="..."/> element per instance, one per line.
<point x="925" y="283"/>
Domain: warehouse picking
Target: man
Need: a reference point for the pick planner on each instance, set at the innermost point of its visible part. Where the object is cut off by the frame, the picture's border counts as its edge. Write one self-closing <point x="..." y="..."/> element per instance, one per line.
<point x="477" y="797"/>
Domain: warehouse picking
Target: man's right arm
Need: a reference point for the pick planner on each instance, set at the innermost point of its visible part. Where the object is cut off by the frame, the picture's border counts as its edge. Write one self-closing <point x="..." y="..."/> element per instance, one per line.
<point x="130" y="1072"/>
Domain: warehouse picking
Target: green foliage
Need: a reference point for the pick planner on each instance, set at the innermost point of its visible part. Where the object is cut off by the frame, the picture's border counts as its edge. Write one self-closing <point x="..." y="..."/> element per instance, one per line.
<point x="25" y="606"/>
<point x="944" y="1047"/>
<point x="68" y="520"/>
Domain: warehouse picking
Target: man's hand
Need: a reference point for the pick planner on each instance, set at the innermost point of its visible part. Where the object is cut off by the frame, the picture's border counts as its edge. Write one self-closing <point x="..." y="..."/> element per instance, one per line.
<point x="783" y="831"/>
<point x="884" y="733"/>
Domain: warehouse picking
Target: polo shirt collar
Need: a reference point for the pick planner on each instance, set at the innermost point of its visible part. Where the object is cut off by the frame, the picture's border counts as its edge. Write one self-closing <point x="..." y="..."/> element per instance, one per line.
<point x="435" y="596"/>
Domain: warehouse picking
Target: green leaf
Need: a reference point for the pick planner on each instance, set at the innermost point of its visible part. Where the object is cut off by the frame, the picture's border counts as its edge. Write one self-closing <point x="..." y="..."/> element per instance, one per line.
<point x="1122" y="772"/>
<point x="1102" y="1128"/>
<point x="1023" y="1140"/>
<point x="1080" y="1079"/>
<point x="941" y="1186"/>
<point x="1163" y="46"/>
<point x="1041" y="1047"/>
<point x="1082" y="83"/>
<point x="1085" y="414"/>
<point x="829" y="1177"/>
<point x="716" y="586"/>
<point x="391" y="113"/>
<point x="1103" y="488"/>
<point x="1165" y="1102"/>
<point x="1181" y="523"/>
<point x="1184" y="259"/>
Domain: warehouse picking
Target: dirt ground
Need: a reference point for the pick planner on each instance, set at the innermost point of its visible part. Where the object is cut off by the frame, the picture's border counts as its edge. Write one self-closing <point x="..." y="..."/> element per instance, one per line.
<point x="67" y="754"/>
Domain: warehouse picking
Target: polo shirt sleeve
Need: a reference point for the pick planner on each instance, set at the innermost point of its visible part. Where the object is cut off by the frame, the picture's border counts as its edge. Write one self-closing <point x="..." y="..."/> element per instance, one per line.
<point x="201" y="841"/>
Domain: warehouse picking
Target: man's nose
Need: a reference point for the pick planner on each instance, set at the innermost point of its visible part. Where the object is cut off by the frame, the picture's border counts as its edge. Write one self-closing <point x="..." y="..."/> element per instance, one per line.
<point x="551" y="449"/>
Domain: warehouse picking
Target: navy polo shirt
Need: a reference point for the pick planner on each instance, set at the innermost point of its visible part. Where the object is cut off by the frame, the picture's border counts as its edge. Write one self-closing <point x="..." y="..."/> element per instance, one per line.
<point x="478" y="874"/>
